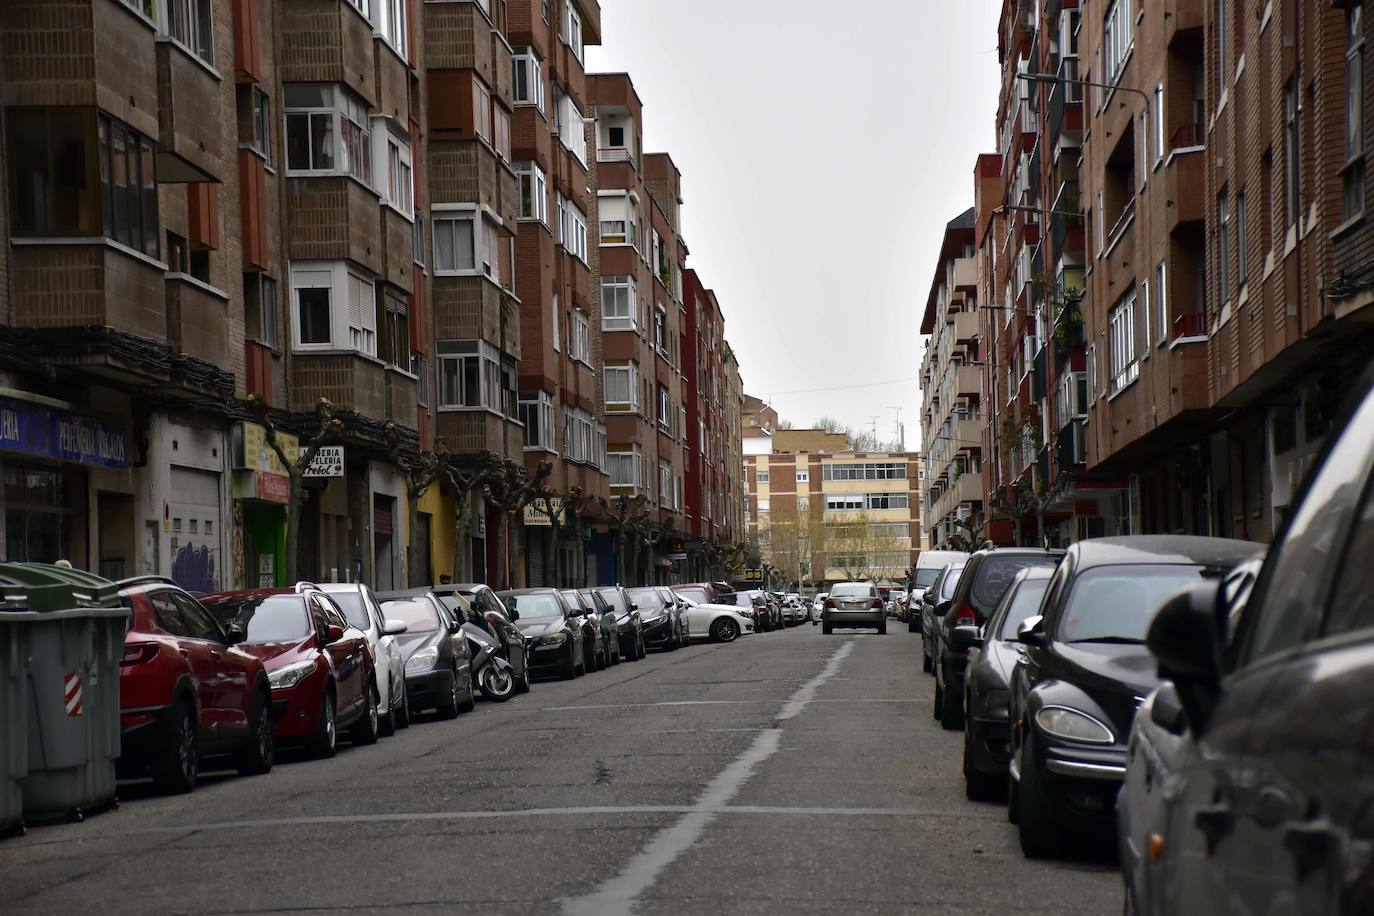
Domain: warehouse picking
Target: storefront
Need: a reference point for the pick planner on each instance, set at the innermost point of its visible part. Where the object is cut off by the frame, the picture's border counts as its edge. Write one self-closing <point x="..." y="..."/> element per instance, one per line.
<point x="261" y="492"/>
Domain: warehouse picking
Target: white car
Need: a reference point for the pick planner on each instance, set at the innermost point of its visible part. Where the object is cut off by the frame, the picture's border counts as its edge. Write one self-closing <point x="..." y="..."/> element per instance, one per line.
<point x="363" y="612"/>
<point x="715" y="622"/>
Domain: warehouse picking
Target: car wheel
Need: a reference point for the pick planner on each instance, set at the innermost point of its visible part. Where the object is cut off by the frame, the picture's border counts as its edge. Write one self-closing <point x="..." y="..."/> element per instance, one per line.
<point x="448" y="707"/>
<point x="977" y="786"/>
<point x="724" y="630"/>
<point x="177" y="764"/>
<point x="369" y="726"/>
<point x="641" y="650"/>
<point x="1038" y="836"/>
<point x="614" y="644"/>
<point x="522" y="685"/>
<point x="326" y="738"/>
<point x="926" y="666"/>
<point x="939" y="700"/>
<point x="256" y="756"/>
<point x="671" y="643"/>
<point x="951" y="709"/>
<point x="402" y="713"/>
<point x="386" y="725"/>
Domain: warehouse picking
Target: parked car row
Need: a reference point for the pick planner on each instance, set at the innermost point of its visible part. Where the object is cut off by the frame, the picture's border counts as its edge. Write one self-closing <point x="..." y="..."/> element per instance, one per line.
<point x="237" y="674"/>
<point x="1200" y="700"/>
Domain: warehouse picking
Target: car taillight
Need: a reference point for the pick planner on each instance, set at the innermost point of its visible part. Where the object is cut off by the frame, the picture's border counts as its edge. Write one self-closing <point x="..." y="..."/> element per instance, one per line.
<point x="877" y="604"/>
<point x="138" y="653"/>
<point x="830" y="603"/>
<point x="964" y="617"/>
<point x="491" y="619"/>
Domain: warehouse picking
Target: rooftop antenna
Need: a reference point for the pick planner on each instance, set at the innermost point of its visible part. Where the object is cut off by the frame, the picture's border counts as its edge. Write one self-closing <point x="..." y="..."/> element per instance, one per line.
<point x="901" y="433"/>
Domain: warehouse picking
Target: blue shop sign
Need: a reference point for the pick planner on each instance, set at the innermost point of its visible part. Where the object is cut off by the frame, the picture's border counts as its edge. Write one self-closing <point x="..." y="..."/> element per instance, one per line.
<point x="37" y="430"/>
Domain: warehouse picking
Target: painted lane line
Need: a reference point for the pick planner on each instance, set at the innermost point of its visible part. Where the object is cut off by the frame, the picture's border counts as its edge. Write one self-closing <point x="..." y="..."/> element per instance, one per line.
<point x="618" y="895"/>
<point x="650" y="705"/>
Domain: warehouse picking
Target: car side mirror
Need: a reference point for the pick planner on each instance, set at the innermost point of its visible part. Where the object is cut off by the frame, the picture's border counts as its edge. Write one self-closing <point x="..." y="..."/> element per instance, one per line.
<point x="393" y="627"/>
<point x="456" y="626"/>
<point x="1031" y="632"/>
<point x="1167" y="712"/>
<point x="514" y="615"/>
<point x="234" y="634"/>
<point x="966" y="638"/>
<point x="1184" y="638"/>
<point x="942" y="608"/>
<point x="333" y="633"/>
<point x="634" y="607"/>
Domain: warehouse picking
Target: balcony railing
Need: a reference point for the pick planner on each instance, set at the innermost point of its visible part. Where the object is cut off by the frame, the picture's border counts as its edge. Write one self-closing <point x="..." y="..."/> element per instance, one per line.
<point x="1193" y="325"/>
<point x="1188" y="136"/>
<point x="613" y="154"/>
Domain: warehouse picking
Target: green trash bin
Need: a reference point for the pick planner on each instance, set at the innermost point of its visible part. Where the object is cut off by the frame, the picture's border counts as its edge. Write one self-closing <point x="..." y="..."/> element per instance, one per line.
<point x="66" y="677"/>
<point x="16" y="627"/>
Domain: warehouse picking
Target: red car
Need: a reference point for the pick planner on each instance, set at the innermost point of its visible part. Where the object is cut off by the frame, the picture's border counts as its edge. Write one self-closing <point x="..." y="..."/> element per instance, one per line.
<point x="322" y="673"/>
<point x="186" y="691"/>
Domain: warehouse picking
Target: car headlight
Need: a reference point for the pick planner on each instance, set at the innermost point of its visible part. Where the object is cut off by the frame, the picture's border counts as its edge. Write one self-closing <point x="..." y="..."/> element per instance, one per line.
<point x="996" y="703"/>
<point x="423" y="660"/>
<point x="289" y="675"/>
<point x="1072" y="725"/>
<point x="553" y="639"/>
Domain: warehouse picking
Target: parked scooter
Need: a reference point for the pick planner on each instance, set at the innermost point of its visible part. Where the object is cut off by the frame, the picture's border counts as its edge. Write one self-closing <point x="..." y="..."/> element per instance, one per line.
<point x="491" y="673"/>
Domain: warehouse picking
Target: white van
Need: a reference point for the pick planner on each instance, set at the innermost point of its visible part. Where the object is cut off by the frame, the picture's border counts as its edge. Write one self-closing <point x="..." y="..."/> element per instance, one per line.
<point x="928" y="566"/>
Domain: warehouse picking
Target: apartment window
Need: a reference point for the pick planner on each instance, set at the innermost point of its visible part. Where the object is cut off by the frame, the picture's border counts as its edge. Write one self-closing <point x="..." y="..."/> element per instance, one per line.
<point x="618" y="308"/>
<point x="544" y="4"/>
<point x="581" y="343"/>
<point x="417" y="238"/>
<point x="1116" y="38"/>
<point x="1092" y="369"/>
<point x="469" y="375"/>
<point x="481" y="111"/>
<point x="1121" y="329"/>
<point x="1242" y="239"/>
<point x="147" y="7"/>
<point x="665" y="410"/>
<point x="572" y="29"/>
<point x="326" y="131"/>
<point x="54" y="159"/>
<point x="622" y="386"/>
<point x="623" y="468"/>
<point x="803" y="476"/>
<point x="362" y="6"/>
<point x="579" y="436"/>
<point x="500" y="120"/>
<point x="1145" y="316"/>
<point x="570" y="126"/>
<point x="661" y="328"/>
<point x="527" y="86"/>
<point x="764" y="507"/>
<point x="333" y="308"/>
<point x="557" y="315"/>
<point x="262" y="124"/>
<point x="572" y="228"/>
<point x="1352" y="175"/>
<point x="1143" y="140"/>
<point x="399" y="189"/>
<point x="394" y="27"/>
<point x="617" y="220"/>
<point x="1161" y="300"/>
<point x="665" y="484"/>
<point x="761" y="477"/>
<point x="455" y="238"/>
<point x="188" y="23"/>
<point x="1292" y="151"/>
<point x="1159" y="121"/>
<point x="395" y="332"/>
<point x="1223" y="246"/>
<point x="534" y="192"/>
<point x="883" y="471"/>
<point x="128" y="183"/>
<point x="267" y="312"/>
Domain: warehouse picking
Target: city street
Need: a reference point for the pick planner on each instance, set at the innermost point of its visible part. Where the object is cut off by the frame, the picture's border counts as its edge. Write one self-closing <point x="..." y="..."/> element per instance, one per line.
<point x="787" y="773"/>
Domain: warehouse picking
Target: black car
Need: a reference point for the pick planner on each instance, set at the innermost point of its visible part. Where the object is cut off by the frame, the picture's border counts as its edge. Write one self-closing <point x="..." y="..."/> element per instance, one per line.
<point x="438" y="664"/>
<point x="679" y="606"/>
<point x="598" y="632"/>
<point x="987" y="690"/>
<point x="552" y="631"/>
<point x="664" y="624"/>
<point x="986" y="577"/>
<point x="941" y="590"/>
<point x="606" y="617"/>
<point x="1275" y="795"/>
<point x="479" y="605"/>
<point x="1086" y="669"/>
<point x="628" y="623"/>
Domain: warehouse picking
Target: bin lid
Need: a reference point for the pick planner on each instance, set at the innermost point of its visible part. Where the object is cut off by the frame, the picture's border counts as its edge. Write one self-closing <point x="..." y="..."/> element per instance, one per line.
<point x="46" y="587"/>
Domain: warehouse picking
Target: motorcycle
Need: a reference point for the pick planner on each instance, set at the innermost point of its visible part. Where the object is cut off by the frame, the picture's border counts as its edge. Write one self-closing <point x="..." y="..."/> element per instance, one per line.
<point x="491" y="673"/>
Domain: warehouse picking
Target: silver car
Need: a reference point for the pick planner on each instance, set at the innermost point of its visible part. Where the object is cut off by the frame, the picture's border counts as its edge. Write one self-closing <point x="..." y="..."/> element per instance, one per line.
<point x="854" y="604"/>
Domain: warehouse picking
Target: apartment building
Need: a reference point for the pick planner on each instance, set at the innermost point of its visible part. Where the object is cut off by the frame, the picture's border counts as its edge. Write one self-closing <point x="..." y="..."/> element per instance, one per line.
<point x="952" y="385"/>
<point x="733" y="453"/>
<point x="823" y="513"/>
<point x="641" y="259"/>
<point x="553" y="146"/>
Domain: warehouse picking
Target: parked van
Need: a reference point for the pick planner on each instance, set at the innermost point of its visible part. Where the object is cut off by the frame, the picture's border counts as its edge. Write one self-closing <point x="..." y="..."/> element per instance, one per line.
<point x="928" y="566"/>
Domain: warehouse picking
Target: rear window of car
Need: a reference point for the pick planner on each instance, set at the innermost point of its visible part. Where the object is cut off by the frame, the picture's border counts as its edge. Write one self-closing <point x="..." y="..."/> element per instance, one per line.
<point x="951" y="582"/>
<point x="418" y="614"/>
<point x="646" y="598"/>
<point x="535" y="607"/>
<point x="926" y="576"/>
<point x="994" y="575"/>
<point x="856" y="590"/>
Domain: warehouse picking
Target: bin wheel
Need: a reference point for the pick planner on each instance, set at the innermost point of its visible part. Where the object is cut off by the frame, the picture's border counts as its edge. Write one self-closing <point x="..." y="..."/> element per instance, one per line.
<point x="177" y="763"/>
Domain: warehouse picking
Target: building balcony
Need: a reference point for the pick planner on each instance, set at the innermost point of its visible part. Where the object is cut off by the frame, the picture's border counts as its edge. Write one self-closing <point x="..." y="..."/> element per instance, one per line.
<point x="191" y="137"/>
<point x="1185" y="187"/>
<point x="197" y="319"/>
<point x="90" y="283"/>
<point x="349" y="380"/>
<point x="966" y="326"/>
<point x="968" y="488"/>
<point x="470" y="308"/>
<point x="453" y="165"/>
<point x="614" y="154"/>
<point x="470" y="432"/>
<point x="966" y="274"/>
<point x="968" y="382"/>
<point x="398" y="250"/>
<point x="1183" y="20"/>
<point x="329" y="41"/>
<point x="332" y="218"/>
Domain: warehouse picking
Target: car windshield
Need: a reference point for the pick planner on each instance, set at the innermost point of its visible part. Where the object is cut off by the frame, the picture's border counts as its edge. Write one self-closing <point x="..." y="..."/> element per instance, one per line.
<point x="742" y="599"/>
<point x="1115" y="604"/>
<point x="996" y="572"/>
<point x="695" y="595"/>
<point x="613" y="598"/>
<point x="278" y="618"/>
<point x="353" y="607"/>
<point x="419" y="614"/>
<point x="853" y="590"/>
<point x="574" y="601"/>
<point x="926" y="575"/>
<point x="646" y="598"/>
<point x="1025" y="603"/>
<point x="539" y="606"/>
<point x="951" y="582"/>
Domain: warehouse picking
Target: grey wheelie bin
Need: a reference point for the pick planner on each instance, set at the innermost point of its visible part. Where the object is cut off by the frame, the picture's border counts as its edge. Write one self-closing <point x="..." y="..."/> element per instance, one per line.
<point x="70" y="682"/>
<point x="15" y="629"/>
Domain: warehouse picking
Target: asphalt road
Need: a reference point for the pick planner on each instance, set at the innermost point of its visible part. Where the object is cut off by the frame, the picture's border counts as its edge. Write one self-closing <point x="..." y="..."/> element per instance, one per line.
<point x="787" y="773"/>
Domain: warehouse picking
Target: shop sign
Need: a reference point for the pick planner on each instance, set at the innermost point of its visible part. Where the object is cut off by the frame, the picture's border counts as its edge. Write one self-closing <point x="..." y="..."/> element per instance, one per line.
<point x="328" y="462"/>
<point x="272" y="488"/>
<point x="537" y="517"/>
<point x="37" y="430"/>
<point x="259" y="456"/>
<point x="753" y="575"/>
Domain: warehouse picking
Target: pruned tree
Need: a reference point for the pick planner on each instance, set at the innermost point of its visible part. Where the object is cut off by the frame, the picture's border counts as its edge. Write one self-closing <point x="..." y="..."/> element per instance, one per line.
<point x="422" y="470"/>
<point x="510" y="489"/>
<point x="567" y="524"/>
<point x="623" y="512"/>
<point x="327" y="430"/>
<point x="465" y="476"/>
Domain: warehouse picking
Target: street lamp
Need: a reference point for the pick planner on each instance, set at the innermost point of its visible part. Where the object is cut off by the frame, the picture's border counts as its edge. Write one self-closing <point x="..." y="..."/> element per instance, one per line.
<point x="1054" y="79"/>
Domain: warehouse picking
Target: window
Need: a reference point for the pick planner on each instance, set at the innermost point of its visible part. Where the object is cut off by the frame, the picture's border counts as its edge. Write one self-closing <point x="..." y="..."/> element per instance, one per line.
<point x="128" y="185"/>
<point x="313" y="292"/>
<point x="188" y="23"/>
<point x="510" y="388"/>
<point x="570" y="126"/>
<point x="557" y="322"/>
<point x="1145" y="317"/>
<point x="803" y="476"/>
<point x="1121" y="329"/>
<point x="262" y="124"/>
<point x="420" y="369"/>
<point x="362" y="6"/>
<point x="883" y="471"/>
<point x="500" y="119"/>
<point x="1116" y="39"/>
<point x="622" y="386"/>
<point x="469" y="375"/>
<point x="761" y="476"/>
<point x="534" y="192"/>
<point x="455" y="242"/>
<point x="573" y="229"/>
<point x="1159" y="121"/>
<point x="1242" y="239"/>
<point x="1161" y="301"/>
<point x="617" y="220"/>
<point x="317" y="289"/>
<point x="623" y="468"/>
<point x="527" y="86"/>
<point x="418" y="238"/>
<point x="1352" y="175"/>
<point x="54" y="161"/>
<point x="395" y="347"/>
<point x="267" y="312"/>
<point x="1292" y="152"/>
<point x="661" y="329"/>
<point x="618" y="308"/>
<point x="665" y="410"/>
<point x="393" y="25"/>
<point x="581" y="344"/>
<point x="1223" y="246"/>
<point x="665" y="484"/>
<point x="572" y="29"/>
<point x="147" y="7"/>
<point x="327" y="131"/>
<point x="1092" y="369"/>
<point x="579" y="436"/>
<point x="481" y="111"/>
<point x="399" y="191"/>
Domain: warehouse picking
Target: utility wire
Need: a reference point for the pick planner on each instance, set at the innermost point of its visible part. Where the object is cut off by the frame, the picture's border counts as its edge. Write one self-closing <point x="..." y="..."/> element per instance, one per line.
<point x="894" y="381"/>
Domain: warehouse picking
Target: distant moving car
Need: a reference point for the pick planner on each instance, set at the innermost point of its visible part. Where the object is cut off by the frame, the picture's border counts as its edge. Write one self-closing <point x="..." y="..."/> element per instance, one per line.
<point x="1085" y="671"/>
<point x="553" y="632"/>
<point x="364" y="613"/>
<point x="321" y="670"/>
<point x="986" y="577"/>
<point x="929" y="564"/>
<point x="185" y="691"/>
<point x="987" y="690"/>
<point x="934" y="601"/>
<point x="715" y="622"/>
<point x="438" y="663"/>
<point x="853" y="604"/>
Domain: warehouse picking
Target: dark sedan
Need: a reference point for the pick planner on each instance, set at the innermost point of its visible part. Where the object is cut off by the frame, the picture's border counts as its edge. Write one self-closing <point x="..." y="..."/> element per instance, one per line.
<point x="1086" y="669"/>
<point x="438" y="664"/>
<point x="664" y="625"/>
<point x="987" y="733"/>
<point x="629" y="625"/>
<point x="596" y="627"/>
<point x="552" y="631"/>
<point x="941" y="590"/>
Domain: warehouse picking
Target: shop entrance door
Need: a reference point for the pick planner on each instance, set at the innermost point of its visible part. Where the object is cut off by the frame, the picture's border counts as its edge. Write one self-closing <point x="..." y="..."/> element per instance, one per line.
<point x="116" y="536"/>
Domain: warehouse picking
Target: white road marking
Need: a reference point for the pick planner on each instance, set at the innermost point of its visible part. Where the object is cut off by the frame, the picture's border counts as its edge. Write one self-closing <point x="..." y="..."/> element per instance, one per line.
<point x="650" y="705"/>
<point x="617" y="896"/>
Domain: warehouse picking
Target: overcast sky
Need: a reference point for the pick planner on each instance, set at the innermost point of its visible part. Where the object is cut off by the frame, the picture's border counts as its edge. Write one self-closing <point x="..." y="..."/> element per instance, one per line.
<point x="823" y="147"/>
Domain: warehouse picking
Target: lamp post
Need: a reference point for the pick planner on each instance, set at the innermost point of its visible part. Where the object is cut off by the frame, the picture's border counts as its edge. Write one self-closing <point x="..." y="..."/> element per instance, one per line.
<point x="1054" y="79"/>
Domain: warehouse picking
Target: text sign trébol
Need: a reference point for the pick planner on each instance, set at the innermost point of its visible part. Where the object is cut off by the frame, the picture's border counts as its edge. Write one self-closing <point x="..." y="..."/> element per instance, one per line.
<point x="328" y="462"/>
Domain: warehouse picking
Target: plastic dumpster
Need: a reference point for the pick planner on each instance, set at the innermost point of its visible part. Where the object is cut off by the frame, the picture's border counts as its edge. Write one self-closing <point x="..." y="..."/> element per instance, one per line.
<point x="66" y="675"/>
<point x="15" y="629"/>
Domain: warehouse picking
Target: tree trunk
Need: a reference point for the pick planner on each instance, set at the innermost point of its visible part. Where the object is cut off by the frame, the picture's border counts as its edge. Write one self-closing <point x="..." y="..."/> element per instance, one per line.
<point x="293" y="524"/>
<point x="414" y="575"/>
